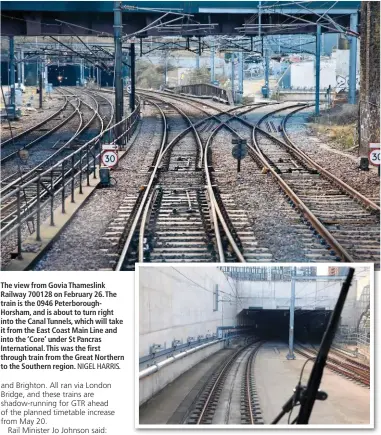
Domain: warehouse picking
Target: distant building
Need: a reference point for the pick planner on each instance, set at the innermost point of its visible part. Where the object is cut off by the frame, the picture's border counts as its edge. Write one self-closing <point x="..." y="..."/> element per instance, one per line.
<point x="334" y="72"/>
<point x="272" y="273"/>
<point x="337" y="271"/>
<point x="333" y="270"/>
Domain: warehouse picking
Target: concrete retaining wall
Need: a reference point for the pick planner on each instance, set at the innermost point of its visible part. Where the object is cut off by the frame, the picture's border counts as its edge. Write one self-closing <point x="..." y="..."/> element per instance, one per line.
<point x="177" y="303"/>
<point x="309" y="295"/>
<point x="271" y="295"/>
<point x="300" y="96"/>
<point x="152" y="384"/>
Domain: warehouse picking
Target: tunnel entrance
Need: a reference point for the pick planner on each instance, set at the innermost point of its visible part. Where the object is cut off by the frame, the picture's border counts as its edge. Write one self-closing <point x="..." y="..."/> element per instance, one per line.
<point x="106" y="79"/>
<point x="63" y="75"/>
<point x="5" y="73"/>
<point x="274" y="324"/>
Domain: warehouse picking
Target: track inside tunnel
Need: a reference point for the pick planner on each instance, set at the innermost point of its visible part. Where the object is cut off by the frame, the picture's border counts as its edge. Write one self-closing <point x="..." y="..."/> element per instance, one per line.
<point x="309" y="325"/>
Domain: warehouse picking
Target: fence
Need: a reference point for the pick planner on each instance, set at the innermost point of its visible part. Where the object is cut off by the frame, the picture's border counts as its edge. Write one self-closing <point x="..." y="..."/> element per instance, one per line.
<point x="356" y="342"/>
<point x="206" y="89"/>
<point x="52" y="186"/>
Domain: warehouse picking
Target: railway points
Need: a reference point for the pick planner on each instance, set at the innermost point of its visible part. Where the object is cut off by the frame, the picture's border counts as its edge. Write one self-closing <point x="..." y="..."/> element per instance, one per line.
<point x="294" y="198"/>
<point x="179" y="211"/>
<point x="221" y="358"/>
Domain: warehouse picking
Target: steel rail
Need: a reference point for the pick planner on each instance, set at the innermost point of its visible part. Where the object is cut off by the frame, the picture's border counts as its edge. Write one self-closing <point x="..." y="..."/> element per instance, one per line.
<point x="216" y="383"/>
<point x="337" y="367"/>
<point x="143" y="204"/>
<point x="87" y="149"/>
<point x="307" y="213"/>
<point x="171" y="358"/>
<point x="212" y="201"/>
<point x="56" y="191"/>
<point x="349" y="189"/>
<point x="40" y="138"/>
<point x="25" y="176"/>
<point x="29" y="174"/>
<point x="215" y="210"/>
<point x="57" y="179"/>
<point x="350" y="364"/>
<point x="111" y="107"/>
<point x="323" y="232"/>
<point x="143" y="226"/>
<point x="344" y="355"/>
<point x="192" y="100"/>
<point x="222" y="372"/>
<point x="222" y="220"/>
<point x="48" y="133"/>
<point x="94" y="139"/>
<point x="288" y="144"/>
<point x="181" y="100"/>
<point x="146" y="193"/>
<point x="79" y="131"/>
<point x="249" y="391"/>
<point x="34" y="127"/>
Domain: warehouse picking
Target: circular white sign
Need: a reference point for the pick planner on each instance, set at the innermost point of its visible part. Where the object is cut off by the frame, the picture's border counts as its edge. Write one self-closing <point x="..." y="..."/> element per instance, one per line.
<point x="129" y="89"/>
<point x="374" y="157"/>
<point x="109" y="158"/>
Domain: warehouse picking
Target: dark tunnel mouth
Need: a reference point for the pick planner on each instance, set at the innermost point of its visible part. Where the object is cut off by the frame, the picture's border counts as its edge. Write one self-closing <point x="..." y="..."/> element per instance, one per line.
<point x="70" y="74"/>
<point x="274" y="324"/>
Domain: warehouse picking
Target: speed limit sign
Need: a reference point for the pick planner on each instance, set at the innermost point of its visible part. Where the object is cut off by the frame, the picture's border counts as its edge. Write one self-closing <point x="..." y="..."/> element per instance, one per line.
<point x="374" y="156"/>
<point x="109" y="158"/>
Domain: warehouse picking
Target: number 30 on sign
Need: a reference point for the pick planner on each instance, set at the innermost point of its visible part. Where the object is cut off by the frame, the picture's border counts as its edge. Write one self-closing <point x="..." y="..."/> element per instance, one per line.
<point x="109" y="158"/>
<point x="374" y="157"/>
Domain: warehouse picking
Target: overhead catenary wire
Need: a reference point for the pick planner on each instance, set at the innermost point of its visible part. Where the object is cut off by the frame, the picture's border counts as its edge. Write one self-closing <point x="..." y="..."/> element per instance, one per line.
<point x="200" y="286"/>
<point x="234" y="290"/>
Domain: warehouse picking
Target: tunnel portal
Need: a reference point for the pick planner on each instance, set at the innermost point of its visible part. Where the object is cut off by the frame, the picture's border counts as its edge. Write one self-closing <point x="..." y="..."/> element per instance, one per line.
<point x="309" y="325"/>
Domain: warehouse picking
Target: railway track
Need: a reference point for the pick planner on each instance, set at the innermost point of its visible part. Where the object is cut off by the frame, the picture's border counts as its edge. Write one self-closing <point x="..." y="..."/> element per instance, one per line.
<point x="41" y="131"/>
<point x="344" y="355"/>
<point x="337" y="222"/>
<point x="179" y="228"/>
<point x="233" y="238"/>
<point x="173" y="204"/>
<point x="33" y="193"/>
<point x="184" y="213"/>
<point x="50" y="151"/>
<point x="33" y="128"/>
<point x="327" y="233"/>
<point x="343" y="217"/>
<point x="359" y="373"/>
<point x="178" y="222"/>
<point x="206" y="409"/>
<point x="251" y="410"/>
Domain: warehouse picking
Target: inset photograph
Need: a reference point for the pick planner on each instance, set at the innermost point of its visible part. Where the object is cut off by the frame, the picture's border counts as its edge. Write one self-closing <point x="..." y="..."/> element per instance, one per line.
<point x="235" y="345"/>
